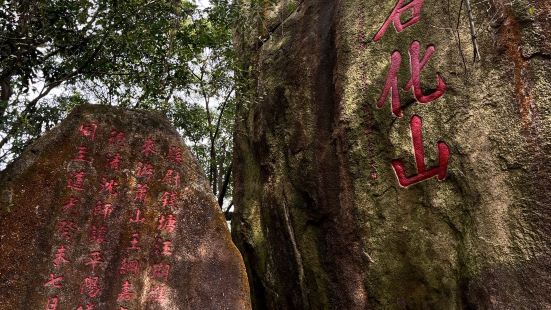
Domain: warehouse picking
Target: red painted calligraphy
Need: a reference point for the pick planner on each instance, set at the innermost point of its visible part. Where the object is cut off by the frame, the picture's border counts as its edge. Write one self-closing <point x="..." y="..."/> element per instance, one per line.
<point x="60" y="256"/>
<point x="167" y="248"/>
<point x="402" y="6"/>
<point x="103" y="209"/>
<point x="52" y="303"/>
<point x="416" y="67"/>
<point x="115" y="162"/>
<point x="69" y="206"/>
<point x="94" y="260"/>
<point x="175" y="155"/>
<point x="439" y="171"/>
<point x="54" y="281"/>
<point x="116" y="137"/>
<point x="134" y="242"/>
<point x="137" y="219"/>
<point x="169" y="199"/>
<point x="141" y="192"/>
<point x="66" y="229"/>
<point x="400" y="21"/>
<point x="88" y="130"/>
<point x="88" y="307"/>
<point x="391" y="84"/>
<point x="160" y="271"/>
<point x="158" y="294"/>
<point x="90" y="287"/>
<point x="148" y="147"/>
<point x="126" y="292"/>
<point x="172" y="178"/>
<point x="144" y="170"/>
<point x="82" y="154"/>
<point x="76" y="180"/>
<point x="97" y="234"/>
<point x="129" y="266"/>
<point x="109" y="186"/>
<point x="167" y="223"/>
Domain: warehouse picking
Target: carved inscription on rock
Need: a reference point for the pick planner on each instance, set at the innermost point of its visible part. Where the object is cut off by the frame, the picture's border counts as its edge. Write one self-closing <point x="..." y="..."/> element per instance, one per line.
<point x="122" y="220"/>
<point x="391" y="87"/>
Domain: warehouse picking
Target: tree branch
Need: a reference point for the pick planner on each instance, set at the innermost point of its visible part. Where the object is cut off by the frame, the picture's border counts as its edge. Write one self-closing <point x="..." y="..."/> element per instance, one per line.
<point x="225" y="186"/>
<point x="224" y="104"/>
<point x="31" y="105"/>
<point x="227" y="214"/>
<point x="476" y="51"/>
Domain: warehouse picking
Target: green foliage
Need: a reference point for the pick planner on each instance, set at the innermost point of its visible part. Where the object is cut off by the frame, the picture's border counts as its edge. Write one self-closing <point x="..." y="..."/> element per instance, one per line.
<point x="165" y="55"/>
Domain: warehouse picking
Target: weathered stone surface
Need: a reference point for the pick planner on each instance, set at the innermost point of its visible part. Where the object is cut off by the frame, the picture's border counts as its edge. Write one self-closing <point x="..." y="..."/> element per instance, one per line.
<point x="61" y="220"/>
<point x="314" y="181"/>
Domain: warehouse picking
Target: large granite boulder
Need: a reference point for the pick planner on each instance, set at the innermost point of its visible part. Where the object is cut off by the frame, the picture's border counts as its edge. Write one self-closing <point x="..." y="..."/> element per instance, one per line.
<point x="110" y="210"/>
<point x="328" y="176"/>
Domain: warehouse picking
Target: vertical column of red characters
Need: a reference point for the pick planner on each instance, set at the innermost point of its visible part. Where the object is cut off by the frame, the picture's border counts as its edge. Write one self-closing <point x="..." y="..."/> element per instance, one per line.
<point x="130" y="264"/>
<point x="159" y="271"/>
<point x="101" y="211"/>
<point x="414" y="7"/>
<point x="66" y="227"/>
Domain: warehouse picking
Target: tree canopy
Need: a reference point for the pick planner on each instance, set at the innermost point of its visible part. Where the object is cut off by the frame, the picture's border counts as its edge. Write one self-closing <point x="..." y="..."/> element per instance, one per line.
<point x="168" y="55"/>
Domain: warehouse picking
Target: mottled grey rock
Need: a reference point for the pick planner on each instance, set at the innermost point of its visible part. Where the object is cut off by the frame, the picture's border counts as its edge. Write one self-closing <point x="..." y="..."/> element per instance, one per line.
<point x="314" y="180"/>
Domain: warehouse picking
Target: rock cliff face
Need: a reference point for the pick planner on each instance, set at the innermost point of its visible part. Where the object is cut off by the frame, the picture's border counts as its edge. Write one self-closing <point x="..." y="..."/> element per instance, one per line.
<point x="321" y="218"/>
<point x="109" y="210"/>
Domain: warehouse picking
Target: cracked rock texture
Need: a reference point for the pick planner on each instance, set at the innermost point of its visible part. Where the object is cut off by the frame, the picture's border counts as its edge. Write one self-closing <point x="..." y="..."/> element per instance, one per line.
<point x="71" y="236"/>
<point x="320" y="218"/>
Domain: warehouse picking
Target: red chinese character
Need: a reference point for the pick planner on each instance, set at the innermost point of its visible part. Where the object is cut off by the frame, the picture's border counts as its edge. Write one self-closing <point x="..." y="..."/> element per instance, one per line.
<point x="52" y="302"/>
<point x="414" y="6"/>
<point x="76" y="180"/>
<point x="90" y="287"/>
<point x="134" y="242"/>
<point x="115" y="162"/>
<point x="172" y="178"/>
<point x="82" y="154"/>
<point x="129" y="266"/>
<point x="167" y="248"/>
<point x="103" y="209"/>
<point x="94" y="260"/>
<point x="54" y="281"/>
<point x="88" y="307"/>
<point x="391" y="84"/>
<point x="66" y="229"/>
<point x="161" y="271"/>
<point x="148" y="147"/>
<point x="141" y="192"/>
<point x="126" y="292"/>
<point x="137" y="219"/>
<point x="97" y="234"/>
<point x="439" y="171"/>
<point x="109" y="186"/>
<point x="88" y="130"/>
<point x="169" y="199"/>
<point x="116" y="137"/>
<point x="175" y="155"/>
<point x="144" y="170"/>
<point x="416" y="68"/>
<point x="60" y="256"/>
<point x="167" y="224"/>
<point x="69" y="206"/>
<point x="158" y="294"/>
